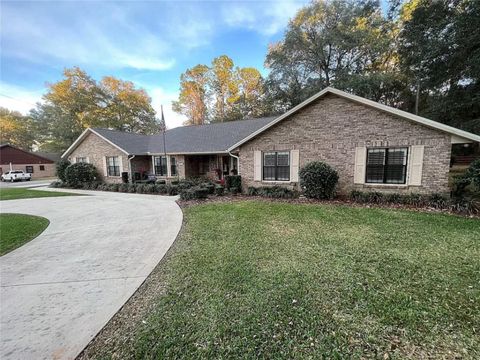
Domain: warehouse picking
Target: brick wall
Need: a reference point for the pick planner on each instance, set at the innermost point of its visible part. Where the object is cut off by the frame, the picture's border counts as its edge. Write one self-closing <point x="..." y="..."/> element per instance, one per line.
<point x="330" y="129"/>
<point x="49" y="170"/>
<point x="95" y="148"/>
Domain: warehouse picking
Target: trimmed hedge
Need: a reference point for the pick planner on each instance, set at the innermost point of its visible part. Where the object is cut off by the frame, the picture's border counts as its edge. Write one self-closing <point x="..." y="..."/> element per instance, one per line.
<point x="194" y="193"/>
<point x="276" y="192"/>
<point x="80" y="173"/>
<point x="318" y="180"/>
<point x="124" y="188"/>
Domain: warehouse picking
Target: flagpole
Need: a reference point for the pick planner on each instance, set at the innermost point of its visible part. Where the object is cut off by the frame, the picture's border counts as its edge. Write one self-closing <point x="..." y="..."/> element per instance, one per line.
<point x="164" y="127"/>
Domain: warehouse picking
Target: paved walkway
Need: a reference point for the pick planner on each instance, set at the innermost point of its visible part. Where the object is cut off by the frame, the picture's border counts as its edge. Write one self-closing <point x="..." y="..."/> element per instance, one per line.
<point x="60" y="289"/>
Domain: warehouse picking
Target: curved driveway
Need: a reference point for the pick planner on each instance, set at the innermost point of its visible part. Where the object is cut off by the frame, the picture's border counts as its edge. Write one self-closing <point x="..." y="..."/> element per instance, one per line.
<point x="60" y="289"/>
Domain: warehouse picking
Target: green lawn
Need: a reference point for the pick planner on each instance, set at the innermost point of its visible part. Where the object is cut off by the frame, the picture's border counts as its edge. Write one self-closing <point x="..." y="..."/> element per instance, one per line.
<point x="23" y="193"/>
<point x="273" y="280"/>
<point x="17" y="229"/>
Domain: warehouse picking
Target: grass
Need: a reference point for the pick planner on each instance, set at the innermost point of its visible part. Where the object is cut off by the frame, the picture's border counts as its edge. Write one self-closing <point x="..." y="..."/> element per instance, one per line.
<point x="274" y="280"/>
<point x="17" y="229"/>
<point x="25" y="193"/>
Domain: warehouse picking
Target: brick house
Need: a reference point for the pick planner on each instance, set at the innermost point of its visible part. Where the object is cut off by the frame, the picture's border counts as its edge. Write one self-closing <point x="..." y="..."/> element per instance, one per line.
<point x="372" y="146"/>
<point x="13" y="158"/>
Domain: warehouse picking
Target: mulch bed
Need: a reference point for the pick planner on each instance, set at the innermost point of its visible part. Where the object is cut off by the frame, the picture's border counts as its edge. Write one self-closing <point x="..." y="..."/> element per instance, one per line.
<point x="304" y="200"/>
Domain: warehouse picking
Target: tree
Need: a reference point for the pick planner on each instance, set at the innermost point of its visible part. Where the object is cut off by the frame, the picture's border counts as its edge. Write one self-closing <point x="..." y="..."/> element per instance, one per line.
<point x="15" y="129"/>
<point x="78" y="101"/>
<point x="440" y="50"/>
<point x="126" y="108"/>
<point x="192" y="101"/>
<point x="331" y="43"/>
<point x="224" y="86"/>
<point x="220" y="93"/>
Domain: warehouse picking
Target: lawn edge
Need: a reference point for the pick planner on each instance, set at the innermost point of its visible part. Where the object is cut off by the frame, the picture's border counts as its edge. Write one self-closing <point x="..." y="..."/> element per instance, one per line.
<point x="33" y="238"/>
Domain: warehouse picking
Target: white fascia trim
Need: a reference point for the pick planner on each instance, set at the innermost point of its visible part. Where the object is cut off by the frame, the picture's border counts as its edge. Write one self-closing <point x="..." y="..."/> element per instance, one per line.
<point x="376" y="105"/>
<point x="82" y="136"/>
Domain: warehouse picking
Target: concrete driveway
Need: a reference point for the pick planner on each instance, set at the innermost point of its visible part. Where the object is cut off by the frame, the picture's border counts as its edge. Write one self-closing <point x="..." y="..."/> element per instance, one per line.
<point x="60" y="289"/>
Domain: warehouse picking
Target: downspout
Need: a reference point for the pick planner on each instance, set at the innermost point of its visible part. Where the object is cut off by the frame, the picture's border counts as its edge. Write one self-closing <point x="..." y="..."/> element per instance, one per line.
<point x="130" y="167"/>
<point x="238" y="161"/>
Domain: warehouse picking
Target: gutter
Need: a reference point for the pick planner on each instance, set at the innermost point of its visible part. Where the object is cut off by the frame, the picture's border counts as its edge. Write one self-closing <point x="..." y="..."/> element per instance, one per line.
<point x="130" y="166"/>
<point x="238" y="161"/>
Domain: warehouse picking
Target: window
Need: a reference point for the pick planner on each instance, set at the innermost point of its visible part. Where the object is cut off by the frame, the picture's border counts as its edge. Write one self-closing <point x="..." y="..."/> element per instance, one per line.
<point x="173" y="166"/>
<point x="160" y="163"/>
<point x="29" y="169"/>
<point x="42" y="167"/>
<point x="81" y="159"/>
<point x="386" y="165"/>
<point x="276" y="166"/>
<point x="113" y="166"/>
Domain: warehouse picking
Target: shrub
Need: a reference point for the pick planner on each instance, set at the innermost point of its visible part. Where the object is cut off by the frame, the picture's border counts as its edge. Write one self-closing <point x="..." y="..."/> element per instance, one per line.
<point x="393" y="198"/>
<point x="318" y="180"/>
<point x="276" y="192"/>
<point x="123" y="188"/>
<point x="132" y="188"/>
<point x="76" y="174"/>
<point x="414" y="200"/>
<point x="465" y="206"/>
<point x="196" y="192"/>
<point x="172" y="190"/>
<point x="219" y="190"/>
<point x="160" y="182"/>
<point x="375" y="197"/>
<point x="57" y="184"/>
<point x="140" y="188"/>
<point x="209" y="187"/>
<point x="437" y="201"/>
<point x="160" y="188"/>
<point x="473" y="173"/>
<point x="61" y="166"/>
<point x="149" y="189"/>
<point x="233" y="181"/>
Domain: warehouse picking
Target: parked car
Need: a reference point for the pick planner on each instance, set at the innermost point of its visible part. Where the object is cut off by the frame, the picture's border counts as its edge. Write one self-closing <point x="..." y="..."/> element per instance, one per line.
<point x="16" y="175"/>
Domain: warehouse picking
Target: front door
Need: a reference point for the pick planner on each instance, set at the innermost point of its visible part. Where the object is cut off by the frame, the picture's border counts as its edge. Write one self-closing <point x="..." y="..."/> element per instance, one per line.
<point x="225" y="166"/>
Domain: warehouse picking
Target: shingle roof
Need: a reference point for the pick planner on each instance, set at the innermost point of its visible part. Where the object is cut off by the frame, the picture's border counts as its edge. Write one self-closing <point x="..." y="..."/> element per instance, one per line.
<point x="217" y="137"/>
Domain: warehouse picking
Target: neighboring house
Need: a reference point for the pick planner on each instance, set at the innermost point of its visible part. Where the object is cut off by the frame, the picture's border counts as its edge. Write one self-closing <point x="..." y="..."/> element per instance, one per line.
<point x="372" y="146"/>
<point x="13" y="158"/>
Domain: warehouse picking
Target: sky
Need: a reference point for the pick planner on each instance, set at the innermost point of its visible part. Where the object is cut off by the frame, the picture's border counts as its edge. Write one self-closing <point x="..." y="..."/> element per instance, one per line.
<point x="147" y="42"/>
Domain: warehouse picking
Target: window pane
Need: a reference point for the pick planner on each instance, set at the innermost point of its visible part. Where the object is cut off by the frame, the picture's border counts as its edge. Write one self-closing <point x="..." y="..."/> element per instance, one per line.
<point x="283" y="158"/>
<point x="376" y="157"/>
<point x="397" y="156"/>
<point x="268" y="173"/>
<point x="283" y="173"/>
<point x="269" y="159"/>
<point x="396" y="166"/>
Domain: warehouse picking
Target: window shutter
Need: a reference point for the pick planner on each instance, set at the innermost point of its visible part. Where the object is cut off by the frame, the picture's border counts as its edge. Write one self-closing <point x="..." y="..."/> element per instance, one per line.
<point x="294" y="164"/>
<point x="105" y="166"/>
<point x="416" y="165"/>
<point x="257" y="165"/>
<point x="120" y="164"/>
<point x="360" y="165"/>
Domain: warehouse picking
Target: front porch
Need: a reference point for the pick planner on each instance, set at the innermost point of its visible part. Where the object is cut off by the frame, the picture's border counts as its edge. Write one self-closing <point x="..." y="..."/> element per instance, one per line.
<point x="178" y="166"/>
